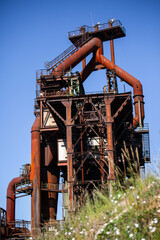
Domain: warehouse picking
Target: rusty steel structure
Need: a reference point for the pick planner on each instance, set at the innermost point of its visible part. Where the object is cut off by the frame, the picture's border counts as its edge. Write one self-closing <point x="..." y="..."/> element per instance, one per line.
<point x="78" y="135"/>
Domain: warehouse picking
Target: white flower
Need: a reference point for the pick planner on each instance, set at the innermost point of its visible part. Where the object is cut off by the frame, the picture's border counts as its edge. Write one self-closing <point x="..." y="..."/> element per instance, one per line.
<point x="159" y="196"/>
<point x="153" y="229"/>
<point x="91" y="230"/>
<point x="73" y="238"/>
<point x="144" y="203"/>
<point x="115" y="201"/>
<point x="131" y="235"/>
<point x="56" y="233"/>
<point x="87" y="223"/>
<point x="131" y="187"/>
<point x="142" y="238"/>
<point x="127" y="227"/>
<point x="107" y="232"/>
<point x="81" y="232"/>
<point x="117" y="232"/>
<point x="158" y="210"/>
<point x="104" y="218"/>
<point x="136" y="225"/>
<point x="119" y="195"/>
<point x="66" y="233"/>
<point x="69" y="233"/>
<point x="111" y="221"/>
<point x="71" y="228"/>
<point x="137" y="197"/>
<point x="155" y="220"/>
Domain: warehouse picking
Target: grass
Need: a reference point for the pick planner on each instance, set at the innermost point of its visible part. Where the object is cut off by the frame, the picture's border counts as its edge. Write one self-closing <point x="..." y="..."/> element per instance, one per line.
<point x="132" y="212"/>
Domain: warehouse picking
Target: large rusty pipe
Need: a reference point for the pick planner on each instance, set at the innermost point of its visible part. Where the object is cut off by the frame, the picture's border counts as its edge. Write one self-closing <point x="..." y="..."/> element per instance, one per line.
<point x="132" y="81"/>
<point x="77" y="57"/>
<point x="52" y="178"/>
<point x="88" y="69"/>
<point x="11" y="199"/>
<point x="35" y="175"/>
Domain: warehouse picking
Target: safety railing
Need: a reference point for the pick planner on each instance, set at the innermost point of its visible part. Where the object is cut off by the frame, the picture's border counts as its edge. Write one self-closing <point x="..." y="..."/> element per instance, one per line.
<point x="52" y="186"/>
<point x="20" y="224"/>
<point x="73" y="48"/>
<point x="91" y="29"/>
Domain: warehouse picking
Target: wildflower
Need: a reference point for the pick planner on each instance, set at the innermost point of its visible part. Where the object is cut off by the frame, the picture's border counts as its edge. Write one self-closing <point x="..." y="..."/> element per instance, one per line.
<point x="155" y="220"/>
<point x="71" y="228"/>
<point x="56" y="233"/>
<point x="69" y="233"/>
<point x="158" y="210"/>
<point x="159" y="196"/>
<point x="87" y="223"/>
<point x="115" y="201"/>
<point x="73" y="238"/>
<point x="119" y="195"/>
<point x="131" y="187"/>
<point x="81" y="232"/>
<point x="137" y="197"/>
<point x="117" y="232"/>
<point x="153" y="229"/>
<point x="127" y="227"/>
<point x="144" y="202"/>
<point x="136" y="225"/>
<point x="91" y="230"/>
<point x="107" y="232"/>
<point x="111" y="221"/>
<point x="142" y="238"/>
<point x="131" y="235"/>
<point x="66" y="233"/>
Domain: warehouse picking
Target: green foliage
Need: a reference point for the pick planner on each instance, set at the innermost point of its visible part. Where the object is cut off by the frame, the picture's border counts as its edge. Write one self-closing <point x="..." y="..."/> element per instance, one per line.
<point x="132" y="212"/>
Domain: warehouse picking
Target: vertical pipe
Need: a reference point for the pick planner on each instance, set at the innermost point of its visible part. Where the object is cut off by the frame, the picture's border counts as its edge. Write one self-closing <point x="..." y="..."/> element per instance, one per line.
<point x="52" y="178"/>
<point x="10" y="209"/>
<point x="112" y="47"/>
<point x="35" y="176"/>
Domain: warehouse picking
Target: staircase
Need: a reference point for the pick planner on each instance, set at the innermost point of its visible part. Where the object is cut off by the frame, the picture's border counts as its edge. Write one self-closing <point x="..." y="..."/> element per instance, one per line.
<point x="69" y="51"/>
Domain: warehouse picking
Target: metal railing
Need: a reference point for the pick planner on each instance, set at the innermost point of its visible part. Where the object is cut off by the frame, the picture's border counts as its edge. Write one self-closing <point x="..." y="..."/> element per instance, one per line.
<point x="73" y="48"/>
<point x="53" y="186"/>
<point x="91" y="29"/>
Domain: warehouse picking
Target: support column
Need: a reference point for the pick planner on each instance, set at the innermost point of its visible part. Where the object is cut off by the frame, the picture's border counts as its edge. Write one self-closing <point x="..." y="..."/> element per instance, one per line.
<point x="68" y="105"/>
<point x="110" y="148"/>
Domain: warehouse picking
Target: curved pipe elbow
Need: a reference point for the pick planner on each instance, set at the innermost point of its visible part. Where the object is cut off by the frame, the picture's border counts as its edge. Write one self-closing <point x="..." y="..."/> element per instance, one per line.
<point x="77" y="57"/>
<point x="132" y="81"/>
<point x="11" y="199"/>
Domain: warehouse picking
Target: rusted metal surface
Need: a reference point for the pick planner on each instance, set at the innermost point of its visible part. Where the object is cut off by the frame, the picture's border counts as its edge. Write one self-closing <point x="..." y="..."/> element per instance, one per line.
<point x="35" y="176"/>
<point x="10" y="209"/>
<point x="77" y="57"/>
<point x="91" y="126"/>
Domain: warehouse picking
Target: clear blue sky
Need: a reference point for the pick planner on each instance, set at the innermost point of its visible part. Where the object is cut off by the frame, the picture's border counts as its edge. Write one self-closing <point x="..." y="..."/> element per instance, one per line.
<point x="34" y="31"/>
